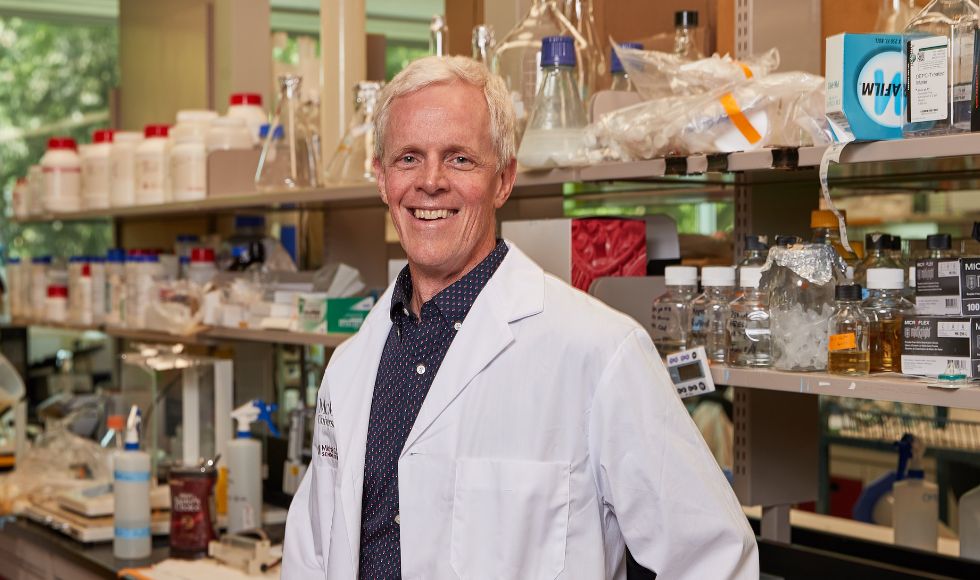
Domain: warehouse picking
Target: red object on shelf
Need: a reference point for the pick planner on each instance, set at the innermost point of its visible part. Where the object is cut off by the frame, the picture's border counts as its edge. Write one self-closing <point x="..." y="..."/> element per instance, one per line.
<point x="57" y="291"/>
<point x="202" y="255"/>
<point x="607" y="247"/>
<point x="61" y="143"/>
<point x="156" y="131"/>
<point x="245" y="99"/>
<point x="103" y="136"/>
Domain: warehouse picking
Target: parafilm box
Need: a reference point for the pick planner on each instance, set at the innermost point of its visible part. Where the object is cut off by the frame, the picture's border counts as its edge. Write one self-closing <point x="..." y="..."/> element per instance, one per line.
<point x="865" y="91"/>
<point x="931" y="343"/>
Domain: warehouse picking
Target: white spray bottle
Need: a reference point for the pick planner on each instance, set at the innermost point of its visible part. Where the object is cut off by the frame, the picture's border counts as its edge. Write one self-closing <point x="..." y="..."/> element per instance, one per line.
<point x="131" y="492"/>
<point x="916" y="511"/>
<point x="245" y="467"/>
<point x="970" y="524"/>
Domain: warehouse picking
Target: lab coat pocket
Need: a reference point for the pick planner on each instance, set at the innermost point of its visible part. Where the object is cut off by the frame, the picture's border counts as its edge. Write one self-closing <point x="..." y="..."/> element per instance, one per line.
<point x="510" y="520"/>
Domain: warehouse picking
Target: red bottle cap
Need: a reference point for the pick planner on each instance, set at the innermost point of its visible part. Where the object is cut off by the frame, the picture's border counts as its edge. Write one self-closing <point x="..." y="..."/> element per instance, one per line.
<point x="61" y="143"/>
<point x="57" y="291"/>
<point x="246" y="99"/>
<point x="21" y="180"/>
<point x="156" y="131"/>
<point x="103" y="136"/>
<point x="202" y="255"/>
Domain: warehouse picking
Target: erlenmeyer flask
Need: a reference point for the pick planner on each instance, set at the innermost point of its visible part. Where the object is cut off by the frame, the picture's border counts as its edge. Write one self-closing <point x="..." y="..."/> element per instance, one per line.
<point x="519" y="55"/>
<point x="438" y="36"/>
<point x="293" y="163"/>
<point x="484" y="44"/>
<point x="354" y="158"/>
<point x="593" y="65"/>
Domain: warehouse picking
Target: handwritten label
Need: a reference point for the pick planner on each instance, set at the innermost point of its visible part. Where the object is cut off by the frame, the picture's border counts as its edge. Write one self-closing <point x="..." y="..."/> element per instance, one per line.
<point x="842" y="341"/>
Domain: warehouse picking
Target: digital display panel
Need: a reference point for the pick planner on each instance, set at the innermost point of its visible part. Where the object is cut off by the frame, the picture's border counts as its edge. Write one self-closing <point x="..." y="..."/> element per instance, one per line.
<point x="688" y="372"/>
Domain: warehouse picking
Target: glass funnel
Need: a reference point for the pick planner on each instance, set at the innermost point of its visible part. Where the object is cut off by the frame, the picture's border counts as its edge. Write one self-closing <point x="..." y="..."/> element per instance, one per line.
<point x="354" y="158"/>
<point x="519" y="56"/>
<point x="293" y="163"/>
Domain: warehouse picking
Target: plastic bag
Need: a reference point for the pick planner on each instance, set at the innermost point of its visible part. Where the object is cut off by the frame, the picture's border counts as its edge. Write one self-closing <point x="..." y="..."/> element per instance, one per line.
<point x="338" y="280"/>
<point x="175" y="307"/>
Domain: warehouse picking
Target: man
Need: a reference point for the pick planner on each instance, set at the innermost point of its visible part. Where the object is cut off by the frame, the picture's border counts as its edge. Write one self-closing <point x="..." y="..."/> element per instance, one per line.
<point x="488" y="420"/>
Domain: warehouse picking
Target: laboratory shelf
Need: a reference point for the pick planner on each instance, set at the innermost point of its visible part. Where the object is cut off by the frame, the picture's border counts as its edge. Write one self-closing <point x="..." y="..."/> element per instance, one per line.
<point x="205" y="336"/>
<point x="884" y="387"/>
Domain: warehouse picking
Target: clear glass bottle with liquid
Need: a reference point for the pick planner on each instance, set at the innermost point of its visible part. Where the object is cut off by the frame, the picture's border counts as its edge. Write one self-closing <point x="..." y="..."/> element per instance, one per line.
<point x="756" y="253"/>
<point x="555" y="129"/>
<point x="354" y="159"/>
<point x="938" y="45"/>
<point x="878" y="254"/>
<point x="939" y="246"/>
<point x="750" y="344"/>
<point x="848" y="351"/>
<point x="885" y="307"/>
<point x="893" y="16"/>
<point x="710" y="312"/>
<point x="620" y="78"/>
<point x="672" y="310"/>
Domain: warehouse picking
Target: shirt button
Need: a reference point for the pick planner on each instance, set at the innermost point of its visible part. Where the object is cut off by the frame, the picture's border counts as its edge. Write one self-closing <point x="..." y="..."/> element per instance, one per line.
<point x="420" y="369"/>
<point x="458" y="325"/>
<point x="398" y="519"/>
<point x="405" y="310"/>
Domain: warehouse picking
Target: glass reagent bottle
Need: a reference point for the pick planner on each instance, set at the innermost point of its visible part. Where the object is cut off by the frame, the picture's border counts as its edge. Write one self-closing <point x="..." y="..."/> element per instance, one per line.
<point x="672" y="310"/>
<point x="848" y="351"/>
<point x="750" y="344"/>
<point x="885" y="308"/>
<point x="710" y="312"/>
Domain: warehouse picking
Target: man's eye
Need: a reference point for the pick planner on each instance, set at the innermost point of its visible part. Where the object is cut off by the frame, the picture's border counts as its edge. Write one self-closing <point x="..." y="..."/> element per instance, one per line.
<point x="461" y="159"/>
<point x="408" y="158"/>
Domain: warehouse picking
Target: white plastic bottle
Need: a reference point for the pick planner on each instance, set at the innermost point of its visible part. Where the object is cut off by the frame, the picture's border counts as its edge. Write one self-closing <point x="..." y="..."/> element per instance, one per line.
<point x="970" y="524"/>
<point x="35" y="186"/>
<point x="916" y="511"/>
<point x="21" y="197"/>
<point x="95" y="170"/>
<point x="97" y="303"/>
<point x="228" y="133"/>
<point x="56" y="303"/>
<point x="39" y="287"/>
<point x="152" y="162"/>
<point x="14" y="277"/>
<point x="115" y="286"/>
<point x="189" y="168"/>
<point x="131" y="491"/>
<point x="202" y="267"/>
<point x="248" y="106"/>
<point x="245" y="467"/>
<point x="62" y="175"/>
<point x="122" y="168"/>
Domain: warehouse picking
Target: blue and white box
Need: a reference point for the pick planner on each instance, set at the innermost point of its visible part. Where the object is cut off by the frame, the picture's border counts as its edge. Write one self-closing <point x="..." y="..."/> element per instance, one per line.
<point x="865" y="87"/>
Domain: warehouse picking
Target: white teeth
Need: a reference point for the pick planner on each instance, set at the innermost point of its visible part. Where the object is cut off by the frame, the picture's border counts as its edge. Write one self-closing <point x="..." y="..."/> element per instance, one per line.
<point x="434" y="214"/>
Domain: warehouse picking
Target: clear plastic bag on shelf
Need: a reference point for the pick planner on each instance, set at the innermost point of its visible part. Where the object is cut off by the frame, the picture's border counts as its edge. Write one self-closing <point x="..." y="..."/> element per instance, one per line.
<point x="338" y="280"/>
<point x="659" y="74"/>
<point x="799" y="115"/>
<point x="175" y="307"/>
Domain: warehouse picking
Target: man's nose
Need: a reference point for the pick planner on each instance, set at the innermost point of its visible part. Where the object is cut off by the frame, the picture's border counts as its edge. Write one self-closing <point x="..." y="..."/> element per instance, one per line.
<point x="434" y="179"/>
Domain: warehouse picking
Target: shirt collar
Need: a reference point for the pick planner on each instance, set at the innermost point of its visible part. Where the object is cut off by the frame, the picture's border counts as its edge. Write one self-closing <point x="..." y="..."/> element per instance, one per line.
<point x="454" y="302"/>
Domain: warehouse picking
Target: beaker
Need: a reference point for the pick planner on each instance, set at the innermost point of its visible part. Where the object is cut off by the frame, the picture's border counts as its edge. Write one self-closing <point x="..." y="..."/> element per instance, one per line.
<point x="354" y="158"/>
<point x="297" y="167"/>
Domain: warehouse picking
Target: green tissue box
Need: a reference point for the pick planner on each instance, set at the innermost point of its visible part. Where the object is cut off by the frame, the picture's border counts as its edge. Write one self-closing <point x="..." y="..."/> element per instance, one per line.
<point x="320" y="314"/>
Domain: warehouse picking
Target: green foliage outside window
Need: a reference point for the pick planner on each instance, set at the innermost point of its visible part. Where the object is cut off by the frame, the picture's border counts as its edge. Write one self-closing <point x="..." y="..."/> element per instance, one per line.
<point x="54" y="80"/>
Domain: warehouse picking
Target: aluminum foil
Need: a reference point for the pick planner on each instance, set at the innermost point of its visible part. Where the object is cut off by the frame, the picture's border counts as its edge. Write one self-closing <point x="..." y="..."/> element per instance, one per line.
<point x="816" y="263"/>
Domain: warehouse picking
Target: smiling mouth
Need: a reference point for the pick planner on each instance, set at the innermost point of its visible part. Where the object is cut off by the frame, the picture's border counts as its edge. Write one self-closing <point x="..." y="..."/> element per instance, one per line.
<point x="434" y="214"/>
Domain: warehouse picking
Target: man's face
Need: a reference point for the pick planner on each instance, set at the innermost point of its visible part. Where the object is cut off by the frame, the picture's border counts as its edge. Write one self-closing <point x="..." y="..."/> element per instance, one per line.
<point x="439" y="178"/>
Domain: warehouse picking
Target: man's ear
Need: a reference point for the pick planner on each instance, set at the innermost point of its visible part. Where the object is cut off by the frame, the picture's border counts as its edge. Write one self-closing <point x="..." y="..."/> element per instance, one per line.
<point x="379" y="174"/>
<point x="507" y="177"/>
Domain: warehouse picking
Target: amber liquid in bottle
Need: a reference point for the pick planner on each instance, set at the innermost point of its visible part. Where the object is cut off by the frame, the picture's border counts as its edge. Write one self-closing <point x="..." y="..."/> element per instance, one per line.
<point x="848" y="362"/>
<point x="886" y="346"/>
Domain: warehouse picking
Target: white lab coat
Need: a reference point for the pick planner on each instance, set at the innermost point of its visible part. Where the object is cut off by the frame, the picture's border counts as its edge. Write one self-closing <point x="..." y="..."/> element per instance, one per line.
<point x="551" y="435"/>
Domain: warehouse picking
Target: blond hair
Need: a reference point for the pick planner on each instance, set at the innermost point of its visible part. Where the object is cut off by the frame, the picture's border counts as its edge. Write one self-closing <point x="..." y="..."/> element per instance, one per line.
<point x="451" y="69"/>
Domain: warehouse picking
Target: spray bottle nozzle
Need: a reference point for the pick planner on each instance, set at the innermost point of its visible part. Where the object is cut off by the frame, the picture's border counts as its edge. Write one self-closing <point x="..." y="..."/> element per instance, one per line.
<point x="133" y="429"/>
<point x="254" y="410"/>
<point x="910" y="452"/>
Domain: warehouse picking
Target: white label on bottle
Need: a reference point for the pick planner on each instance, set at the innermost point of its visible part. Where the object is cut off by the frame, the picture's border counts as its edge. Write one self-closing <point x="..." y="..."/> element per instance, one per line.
<point x="189" y="175"/>
<point x="928" y="79"/>
<point x="248" y="516"/>
<point x="95" y="179"/>
<point x="149" y="173"/>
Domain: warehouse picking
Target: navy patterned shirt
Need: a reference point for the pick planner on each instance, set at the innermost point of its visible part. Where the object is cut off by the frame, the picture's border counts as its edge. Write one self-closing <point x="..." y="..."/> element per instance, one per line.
<point x="411" y="358"/>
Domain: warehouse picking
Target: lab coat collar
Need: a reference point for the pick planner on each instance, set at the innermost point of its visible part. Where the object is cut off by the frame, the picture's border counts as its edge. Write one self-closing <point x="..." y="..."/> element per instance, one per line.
<point x="514" y="292"/>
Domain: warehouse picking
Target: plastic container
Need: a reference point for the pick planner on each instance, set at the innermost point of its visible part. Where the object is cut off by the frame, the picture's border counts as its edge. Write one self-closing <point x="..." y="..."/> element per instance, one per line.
<point x="192" y="122"/>
<point x="621" y="79"/>
<point x="245" y="467"/>
<point x="555" y="130"/>
<point x="850" y="332"/>
<point x="189" y="168"/>
<point x="916" y="511"/>
<point x="131" y="497"/>
<point x="228" y="133"/>
<point x="938" y="45"/>
<point x="39" y="287"/>
<point x="192" y="513"/>
<point x="74" y="292"/>
<point x="152" y="161"/>
<point x="62" y="169"/>
<point x="710" y="312"/>
<point x="672" y="310"/>
<point x="143" y="270"/>
<point x="885" y="307"/>
<point x="183" y="245"/>
<point x="35" y="183"/>
<point x="202" y="267"/>
<point x="97" y="272"/>
<point x="122" y="168"/>
<point x="750" y="343"/>
<point x="95" y="170"/>
<point x="248" y="107"/>
<point x="21" y="198"/>
<point x="56" y="304"/>
<point x="115" y="286"/>
<point x="15" y="277"/>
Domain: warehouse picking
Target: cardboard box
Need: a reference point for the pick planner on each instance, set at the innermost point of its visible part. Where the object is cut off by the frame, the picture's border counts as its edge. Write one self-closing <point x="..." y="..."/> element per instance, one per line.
<point x="319" y="314"/>
<point x="865" y="90"/>
<point x="948" y="287"/>
<point x="579" y="250"/>
<point x="929" y="343"/>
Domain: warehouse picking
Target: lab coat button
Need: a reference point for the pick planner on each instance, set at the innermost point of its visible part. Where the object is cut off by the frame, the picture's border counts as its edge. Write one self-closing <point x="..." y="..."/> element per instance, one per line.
<point x="458" y="325"/>
<point x="420" y="369"/>
<point x="398" y="519"/>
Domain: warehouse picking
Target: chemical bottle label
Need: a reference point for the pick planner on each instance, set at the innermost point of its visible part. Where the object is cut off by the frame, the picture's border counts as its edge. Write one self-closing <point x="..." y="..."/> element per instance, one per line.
<point x="842" y="341"/>
<point x="132" y="533"/>
<point x="132" y="476"/>
<point x="927" y="77"/>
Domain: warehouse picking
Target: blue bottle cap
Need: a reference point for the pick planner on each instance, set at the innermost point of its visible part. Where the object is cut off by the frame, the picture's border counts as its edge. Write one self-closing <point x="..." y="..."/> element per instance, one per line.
<point x="279" y="133"/>
<point x="614" y="64"/>
<point x="187" y="238"/>
<point x="185" y="260"/>
<point x="116" y="255"/>
<point x="557" y="50"/>
<point x="249" y="221"/>
<point x="41" y="260"/>
<point x="14" y="260"/>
